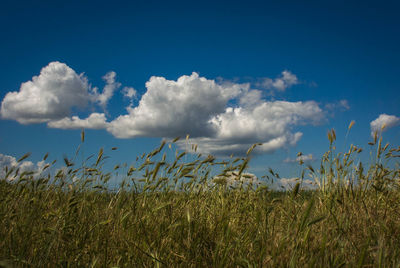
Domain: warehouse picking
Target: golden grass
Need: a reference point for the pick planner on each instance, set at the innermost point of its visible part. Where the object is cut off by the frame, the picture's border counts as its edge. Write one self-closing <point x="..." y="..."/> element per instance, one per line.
<point x="173" y="215"/>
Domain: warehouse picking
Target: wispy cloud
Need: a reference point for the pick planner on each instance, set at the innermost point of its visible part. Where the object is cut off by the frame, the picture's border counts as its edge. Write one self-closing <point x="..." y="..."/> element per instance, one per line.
<point x="342" y="105"/>
<point x="108" y="90"/>
<point x="302" y="158"/>
<point x="281" y="83"/>
<point x="129" y="92"/>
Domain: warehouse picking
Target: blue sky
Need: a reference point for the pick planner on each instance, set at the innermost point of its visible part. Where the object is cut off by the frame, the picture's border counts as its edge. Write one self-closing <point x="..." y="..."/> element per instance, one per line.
<point x="280" y="67"/>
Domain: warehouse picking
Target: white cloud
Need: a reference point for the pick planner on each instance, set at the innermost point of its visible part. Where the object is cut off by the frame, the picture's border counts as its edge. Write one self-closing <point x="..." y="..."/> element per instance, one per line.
<point x="251" y="98"/>
<point x="222" y="118"/>
<point x="129" y="92"/>
<point x="24" y="166"/>
<point x="226" y="147"/>
<point x="266" y="120"/>
<point x="197" y="106"/>
<point x="108" y="90"/>
<point x="304" y="158"/>
<point x="94" y="121"/>
<point x="384" y="122"/>
<point x="49" y="96"/>
<point x="173" y="108"/>
<point x="286" y="80"/>
<point x="269" y="123"/>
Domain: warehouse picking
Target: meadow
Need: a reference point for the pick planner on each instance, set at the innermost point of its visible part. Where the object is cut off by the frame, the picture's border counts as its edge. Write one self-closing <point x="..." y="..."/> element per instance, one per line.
<point x="177" y="214"/>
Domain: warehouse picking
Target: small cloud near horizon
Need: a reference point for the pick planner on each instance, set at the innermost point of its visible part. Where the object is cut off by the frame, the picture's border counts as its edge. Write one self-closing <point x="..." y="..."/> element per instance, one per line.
<point x="383" y="123"/>
<point x="303" y="158"/>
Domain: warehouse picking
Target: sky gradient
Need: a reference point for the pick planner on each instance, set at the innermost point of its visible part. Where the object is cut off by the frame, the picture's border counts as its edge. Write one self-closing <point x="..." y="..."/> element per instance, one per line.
<point x="230" y="74"/>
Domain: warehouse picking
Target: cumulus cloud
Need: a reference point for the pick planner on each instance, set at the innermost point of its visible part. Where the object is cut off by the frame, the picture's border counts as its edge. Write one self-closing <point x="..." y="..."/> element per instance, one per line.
<point x="108" y="90"/>
<point x="25" y="166"/>
<point x="286" y="80"/>
<point x="199" y="107"/>
<point x="384" y="122"/>
<point x="269" y="123"/>
<point x="221" y="118"/>
<point x="174" y="108"/>
<point x="94" y="121"/>
<point x="226" y="147"/>
<point x="48" y="96"/>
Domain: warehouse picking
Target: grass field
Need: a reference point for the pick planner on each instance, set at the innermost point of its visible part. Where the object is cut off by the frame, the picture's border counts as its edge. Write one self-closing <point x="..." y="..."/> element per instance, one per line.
<point x="175" y="215"/>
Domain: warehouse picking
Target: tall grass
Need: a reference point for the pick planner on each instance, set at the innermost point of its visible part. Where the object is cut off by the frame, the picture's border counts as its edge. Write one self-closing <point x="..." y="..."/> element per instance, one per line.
<point x="174" y="213"/>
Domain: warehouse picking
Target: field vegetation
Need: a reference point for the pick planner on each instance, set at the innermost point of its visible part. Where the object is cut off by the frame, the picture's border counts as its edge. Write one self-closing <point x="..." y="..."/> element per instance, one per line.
<point x="177" y="214"/>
